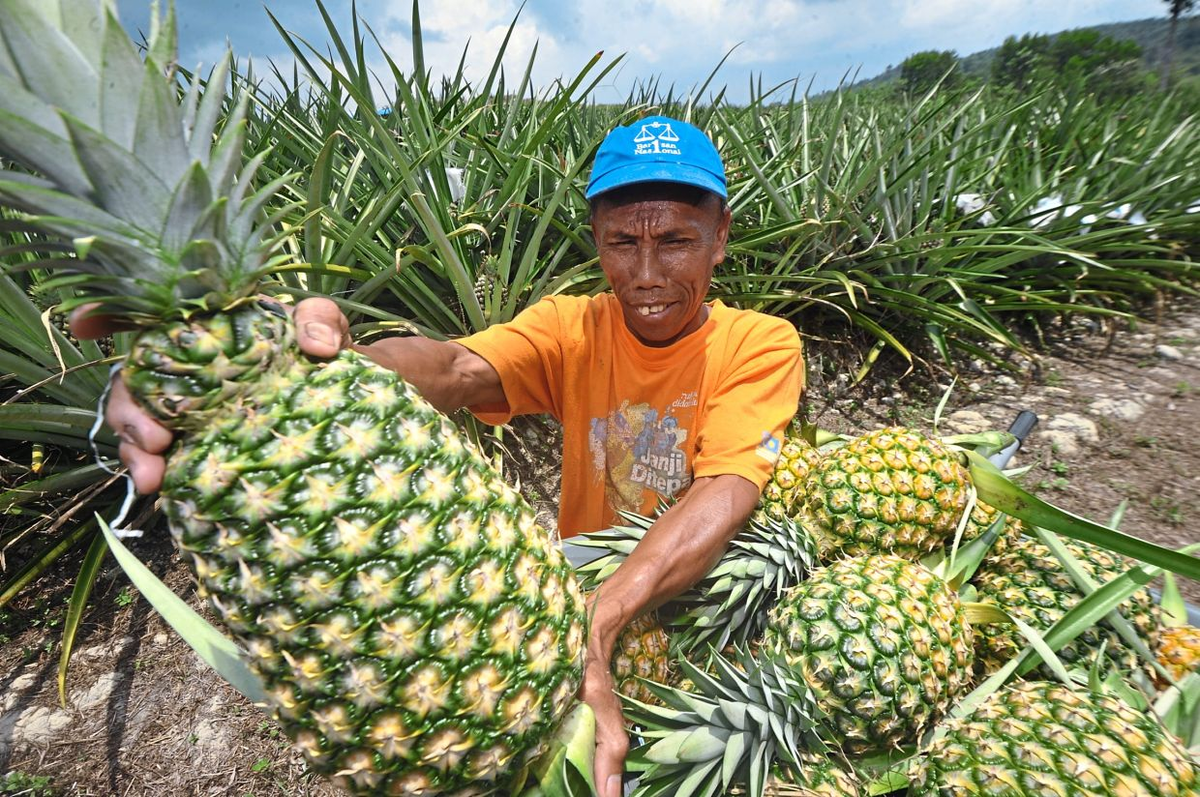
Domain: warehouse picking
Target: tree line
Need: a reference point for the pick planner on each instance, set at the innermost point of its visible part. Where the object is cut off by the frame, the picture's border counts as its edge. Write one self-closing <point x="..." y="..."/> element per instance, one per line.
<point x="1086" y="59"/>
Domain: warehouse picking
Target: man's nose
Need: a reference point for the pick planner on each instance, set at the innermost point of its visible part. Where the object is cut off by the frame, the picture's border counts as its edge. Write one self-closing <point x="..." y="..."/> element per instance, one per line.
<point x="648" y="271"/>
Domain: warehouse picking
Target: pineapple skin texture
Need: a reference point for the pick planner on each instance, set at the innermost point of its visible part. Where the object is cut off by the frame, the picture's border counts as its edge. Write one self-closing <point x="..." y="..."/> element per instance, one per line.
<point x="782" y="494"/>
<point x="417" y="631"/>
<point x="1179" y="650"/>
<point x="882" y="643"/>
<point x="1028" y="582"/>
<point x="889" y="491"/>
<point x="981" y="518"/>
<point x="1046" y="739"/>
<point x="642" y="651"/>
<point x="815" y="776"/>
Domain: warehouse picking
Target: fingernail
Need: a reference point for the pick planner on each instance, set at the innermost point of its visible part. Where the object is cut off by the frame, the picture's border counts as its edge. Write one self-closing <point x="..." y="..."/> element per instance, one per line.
<point x="319" y="332"/>
<point x="614" y="786"/>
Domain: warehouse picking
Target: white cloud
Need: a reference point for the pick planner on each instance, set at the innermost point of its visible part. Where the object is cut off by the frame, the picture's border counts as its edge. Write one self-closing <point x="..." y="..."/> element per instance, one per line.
<point x="681" y="41"/>
<point x="480" y="27"/>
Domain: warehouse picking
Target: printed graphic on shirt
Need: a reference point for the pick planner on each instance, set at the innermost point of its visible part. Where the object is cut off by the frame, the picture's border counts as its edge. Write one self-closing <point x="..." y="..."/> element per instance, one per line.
<point x="768" y="449"/>
<point x="638" y="451"/>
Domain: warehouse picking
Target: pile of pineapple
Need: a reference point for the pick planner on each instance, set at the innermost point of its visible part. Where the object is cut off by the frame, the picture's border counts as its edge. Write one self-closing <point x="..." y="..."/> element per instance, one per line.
<point x="417" y="632"/>
<point x="886" y="641"/>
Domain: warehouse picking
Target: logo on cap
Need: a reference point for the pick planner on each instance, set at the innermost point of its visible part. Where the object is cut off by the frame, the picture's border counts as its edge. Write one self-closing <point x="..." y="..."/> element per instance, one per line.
<point x="656" y="138"/>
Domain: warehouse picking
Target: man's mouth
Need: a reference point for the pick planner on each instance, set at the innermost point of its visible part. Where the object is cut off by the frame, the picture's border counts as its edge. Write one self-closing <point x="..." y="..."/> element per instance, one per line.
<point x="650" y="309"/>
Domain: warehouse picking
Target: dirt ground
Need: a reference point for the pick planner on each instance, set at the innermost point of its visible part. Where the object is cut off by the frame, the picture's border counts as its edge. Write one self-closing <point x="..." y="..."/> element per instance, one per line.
<point x="145" y="716"/>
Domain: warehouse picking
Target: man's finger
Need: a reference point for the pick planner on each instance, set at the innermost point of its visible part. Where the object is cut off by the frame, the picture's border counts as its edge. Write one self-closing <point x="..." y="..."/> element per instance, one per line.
<point x="133" y="424"/>
<point x="609" y="771"/>
<point x="321" y="328"/>
<point x="86" y="325"/>
<point x="146" y="469"/>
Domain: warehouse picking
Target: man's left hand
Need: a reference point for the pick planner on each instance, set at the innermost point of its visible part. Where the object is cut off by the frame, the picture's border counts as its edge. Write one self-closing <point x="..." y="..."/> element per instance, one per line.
<point x="612" y="740"/>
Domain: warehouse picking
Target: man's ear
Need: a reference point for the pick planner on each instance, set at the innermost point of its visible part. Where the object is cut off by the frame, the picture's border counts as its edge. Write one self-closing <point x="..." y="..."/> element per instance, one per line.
<point x="722" y="239"/>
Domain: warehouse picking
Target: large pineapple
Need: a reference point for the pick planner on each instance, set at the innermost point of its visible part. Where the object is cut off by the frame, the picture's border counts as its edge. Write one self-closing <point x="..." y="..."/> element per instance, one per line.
<point x="1030" y="583"/>
<point x="882" y="643"/>
<point x="1040" y="738"/>
<point x="797" y="458"/>
<point x="417" y="631"/>
<point x="889" y="491"/>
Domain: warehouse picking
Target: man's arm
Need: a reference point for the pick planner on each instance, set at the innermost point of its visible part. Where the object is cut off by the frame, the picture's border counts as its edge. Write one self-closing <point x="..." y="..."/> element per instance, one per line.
<point x="448" y="375"/>
<point x="676" y="552"/>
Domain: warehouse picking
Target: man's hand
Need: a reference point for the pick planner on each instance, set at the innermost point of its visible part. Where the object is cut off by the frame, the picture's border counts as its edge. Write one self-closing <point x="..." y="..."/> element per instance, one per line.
<point x="676" y="552"/>
<point x="612" y="740"/>
<point x="321" y="331"/>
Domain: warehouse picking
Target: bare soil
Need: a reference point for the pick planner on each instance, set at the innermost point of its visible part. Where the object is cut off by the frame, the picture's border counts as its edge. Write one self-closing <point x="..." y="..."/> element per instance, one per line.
<point x="144" y="716"/>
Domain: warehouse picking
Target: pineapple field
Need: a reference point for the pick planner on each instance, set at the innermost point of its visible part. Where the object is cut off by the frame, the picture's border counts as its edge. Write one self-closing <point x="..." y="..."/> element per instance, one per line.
<point x="900" y="616"/>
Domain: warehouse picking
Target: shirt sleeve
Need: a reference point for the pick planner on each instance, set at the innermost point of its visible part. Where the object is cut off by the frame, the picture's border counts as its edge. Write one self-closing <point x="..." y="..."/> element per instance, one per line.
<point x="744" y="418"/>
<point x="527" y="354"/>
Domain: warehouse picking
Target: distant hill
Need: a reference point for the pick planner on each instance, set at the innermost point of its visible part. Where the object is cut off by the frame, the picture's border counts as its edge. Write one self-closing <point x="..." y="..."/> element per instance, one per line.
<point x="1150" y="34"/>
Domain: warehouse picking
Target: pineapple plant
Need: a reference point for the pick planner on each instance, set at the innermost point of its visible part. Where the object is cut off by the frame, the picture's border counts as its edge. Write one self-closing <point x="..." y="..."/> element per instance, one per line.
<point x="416" y="630"/>
<point x="47" y="301"/>
<point x="888" y="491"/>
<point x="882" y="643"/>
<point x="1030" y="583"/>
<point x="1049" y="739"/>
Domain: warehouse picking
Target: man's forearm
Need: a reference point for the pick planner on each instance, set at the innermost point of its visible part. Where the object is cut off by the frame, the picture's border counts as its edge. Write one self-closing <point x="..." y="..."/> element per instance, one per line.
<point x="448" y="375"/>
<point x="676" y="552"/>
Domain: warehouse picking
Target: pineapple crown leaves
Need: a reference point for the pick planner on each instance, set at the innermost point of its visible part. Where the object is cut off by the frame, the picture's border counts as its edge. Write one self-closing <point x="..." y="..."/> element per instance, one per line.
<point x="738" y="723"/>
<point x="119" y="161"/>
<point x="730" y="604"/>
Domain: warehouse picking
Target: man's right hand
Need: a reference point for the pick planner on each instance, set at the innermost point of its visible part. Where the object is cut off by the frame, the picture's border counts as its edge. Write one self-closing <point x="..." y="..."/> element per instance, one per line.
<point x="321" y="331"/>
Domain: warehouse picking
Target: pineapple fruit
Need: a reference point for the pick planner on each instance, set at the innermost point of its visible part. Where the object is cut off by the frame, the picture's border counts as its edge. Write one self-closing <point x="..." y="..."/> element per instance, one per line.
<point x="642" y="652"/>
<point x="1179" y="650"/>
<point x="889" y="491"/>
<point x="882" y="643"/>
<point x="815" y="776"/>
<point x="1049" y="739"/>
<point x="797" y="458"/>
<point x="980" y="520"/>
<point x="417" y="631"/>
<point x="1029" y="582"/>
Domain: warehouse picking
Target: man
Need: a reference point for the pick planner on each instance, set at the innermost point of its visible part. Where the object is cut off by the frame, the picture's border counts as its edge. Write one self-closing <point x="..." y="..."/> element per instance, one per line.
<point x="658" y="392"/>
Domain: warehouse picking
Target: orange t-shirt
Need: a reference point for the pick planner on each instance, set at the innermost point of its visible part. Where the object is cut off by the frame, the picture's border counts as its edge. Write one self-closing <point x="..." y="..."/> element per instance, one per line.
<point x="640" y="421"/>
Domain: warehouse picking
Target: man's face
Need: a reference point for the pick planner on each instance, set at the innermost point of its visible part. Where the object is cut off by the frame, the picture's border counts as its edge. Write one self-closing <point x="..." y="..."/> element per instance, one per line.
<point x="658" y="249"/>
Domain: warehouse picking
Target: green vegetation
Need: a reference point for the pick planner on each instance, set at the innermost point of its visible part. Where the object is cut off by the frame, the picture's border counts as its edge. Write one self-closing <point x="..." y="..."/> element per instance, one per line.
<point x="922" y="225"/>
<point x="1086" y="58"/>
<point x="19" y="783"/>
<point x="1152" y="36"/>
<point x="920" y="72"/>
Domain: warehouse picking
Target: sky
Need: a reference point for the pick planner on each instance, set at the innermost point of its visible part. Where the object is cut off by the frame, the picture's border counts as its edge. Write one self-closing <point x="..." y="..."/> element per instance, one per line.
<point x="677" y="42"/>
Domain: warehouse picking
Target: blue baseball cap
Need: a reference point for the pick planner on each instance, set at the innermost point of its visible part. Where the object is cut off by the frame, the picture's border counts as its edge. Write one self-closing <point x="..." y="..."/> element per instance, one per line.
<point x="657" y="149"/>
